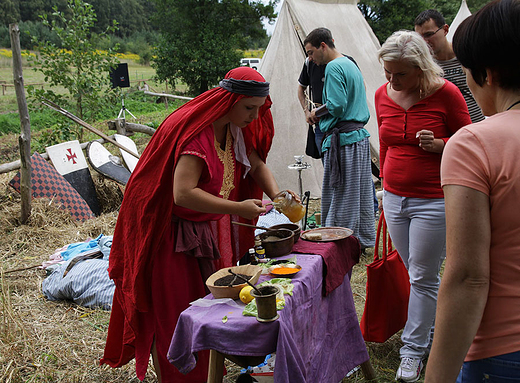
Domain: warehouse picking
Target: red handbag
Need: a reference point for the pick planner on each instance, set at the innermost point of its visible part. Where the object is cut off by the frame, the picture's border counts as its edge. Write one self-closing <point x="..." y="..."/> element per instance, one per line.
<point x="387" y="291"/>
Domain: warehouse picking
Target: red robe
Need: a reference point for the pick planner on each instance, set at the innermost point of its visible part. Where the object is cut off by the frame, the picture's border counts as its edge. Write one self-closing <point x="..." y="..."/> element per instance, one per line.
<point x="144" y="229"/>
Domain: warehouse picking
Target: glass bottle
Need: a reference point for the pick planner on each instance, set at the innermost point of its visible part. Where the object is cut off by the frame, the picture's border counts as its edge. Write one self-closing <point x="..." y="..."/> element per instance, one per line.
<point x="252" y="256"/>
<point x="260" y="251"/>
<point x="287" y="205"/>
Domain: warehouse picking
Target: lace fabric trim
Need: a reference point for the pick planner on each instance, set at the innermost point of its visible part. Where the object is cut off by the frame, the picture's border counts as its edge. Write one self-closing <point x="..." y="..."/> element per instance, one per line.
<point x="226" y="157"/>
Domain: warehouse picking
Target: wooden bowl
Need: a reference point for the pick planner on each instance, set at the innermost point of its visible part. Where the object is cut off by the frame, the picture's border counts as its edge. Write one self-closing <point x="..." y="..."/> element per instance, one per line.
<point x="291" y="226"/>
<point x="277" y="247"/>
<point x="232" y="291"/>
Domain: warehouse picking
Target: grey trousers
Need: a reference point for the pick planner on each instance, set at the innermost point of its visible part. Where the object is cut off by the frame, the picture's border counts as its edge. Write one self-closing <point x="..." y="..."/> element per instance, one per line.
<point x="417" y="227"/>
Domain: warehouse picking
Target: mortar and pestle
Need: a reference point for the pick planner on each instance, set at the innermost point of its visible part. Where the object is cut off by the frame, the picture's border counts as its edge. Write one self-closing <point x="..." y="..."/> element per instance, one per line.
<point x="265" y="298"/>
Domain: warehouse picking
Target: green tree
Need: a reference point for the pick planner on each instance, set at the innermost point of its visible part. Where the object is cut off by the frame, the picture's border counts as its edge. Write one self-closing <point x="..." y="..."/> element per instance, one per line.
<point x="9" y="12"/>
<point x="201" y="38"/>
<point x="77" y="67"/>
<point x="388" y="16"/>
<point x="475" y="5"/>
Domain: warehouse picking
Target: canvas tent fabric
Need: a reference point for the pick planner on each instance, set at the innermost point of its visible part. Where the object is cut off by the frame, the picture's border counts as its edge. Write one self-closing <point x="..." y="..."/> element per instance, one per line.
<point x="282" y="64"/>
<point x="462" y="14"/>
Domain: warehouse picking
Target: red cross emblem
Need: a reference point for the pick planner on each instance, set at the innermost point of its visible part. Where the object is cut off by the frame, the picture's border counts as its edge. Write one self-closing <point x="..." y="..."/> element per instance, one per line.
<point x="71" y="156"/>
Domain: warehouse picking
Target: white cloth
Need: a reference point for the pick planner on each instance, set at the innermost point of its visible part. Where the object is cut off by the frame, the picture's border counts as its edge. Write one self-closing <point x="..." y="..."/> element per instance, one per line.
<point x="240" y="147"/>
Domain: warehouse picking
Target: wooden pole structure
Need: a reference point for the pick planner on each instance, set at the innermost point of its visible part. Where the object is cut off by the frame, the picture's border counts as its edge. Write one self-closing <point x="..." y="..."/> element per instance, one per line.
<point x="15" y="165"/>
<point x="24" y="141"/>
<point x="58" y="108"/>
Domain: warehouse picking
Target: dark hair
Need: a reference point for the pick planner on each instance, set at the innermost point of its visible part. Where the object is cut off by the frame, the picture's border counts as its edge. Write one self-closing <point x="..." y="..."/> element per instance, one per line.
<point x="490" y="39"/>
<point x="319" y="35"/>
<point x="433" y="14"/>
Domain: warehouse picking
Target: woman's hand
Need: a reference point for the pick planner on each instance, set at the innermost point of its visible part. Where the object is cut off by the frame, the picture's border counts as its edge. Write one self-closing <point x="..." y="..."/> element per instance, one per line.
<point x="294" y="195"/>
<point x="250" y="208"/>
<point x="428" y="142"/>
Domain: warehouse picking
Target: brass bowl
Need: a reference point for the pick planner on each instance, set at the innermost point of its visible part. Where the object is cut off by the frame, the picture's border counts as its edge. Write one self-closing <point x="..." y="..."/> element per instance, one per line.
<point x="277" y="243"/>
<point x="295" y="228"/>
<point x="232" y="292"/>
<point x="296" y="269"/>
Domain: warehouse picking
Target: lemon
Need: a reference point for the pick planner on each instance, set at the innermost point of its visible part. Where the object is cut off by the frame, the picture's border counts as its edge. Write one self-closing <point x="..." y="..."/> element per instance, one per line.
<point x="245" y="294"/>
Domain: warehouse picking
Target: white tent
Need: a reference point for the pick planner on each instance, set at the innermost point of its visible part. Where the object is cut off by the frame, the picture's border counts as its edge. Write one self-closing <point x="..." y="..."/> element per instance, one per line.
<point x="282" y="64"/>
<point x="459" y="18"/>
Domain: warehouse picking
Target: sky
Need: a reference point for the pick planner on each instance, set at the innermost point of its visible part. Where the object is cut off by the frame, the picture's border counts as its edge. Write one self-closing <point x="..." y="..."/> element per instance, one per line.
<point x="270" y="28"/>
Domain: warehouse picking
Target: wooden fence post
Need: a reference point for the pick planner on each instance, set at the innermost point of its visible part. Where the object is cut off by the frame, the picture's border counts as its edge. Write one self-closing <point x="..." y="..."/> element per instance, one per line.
<point x="24" y="140"/>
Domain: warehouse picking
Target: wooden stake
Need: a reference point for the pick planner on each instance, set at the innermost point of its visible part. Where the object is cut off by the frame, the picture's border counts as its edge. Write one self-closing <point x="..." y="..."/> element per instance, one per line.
<point x="24" y="140"/>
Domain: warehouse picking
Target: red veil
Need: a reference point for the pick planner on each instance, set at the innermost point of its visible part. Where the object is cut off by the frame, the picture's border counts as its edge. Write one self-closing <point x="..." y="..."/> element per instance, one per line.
<point x="146" y="212"/>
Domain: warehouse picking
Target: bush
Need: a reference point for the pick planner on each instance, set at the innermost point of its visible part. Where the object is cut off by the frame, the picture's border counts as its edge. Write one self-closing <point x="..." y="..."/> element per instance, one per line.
<point x="55" y="134"/>
<point x="5" y="39"/>
<point x="9" y="123"/>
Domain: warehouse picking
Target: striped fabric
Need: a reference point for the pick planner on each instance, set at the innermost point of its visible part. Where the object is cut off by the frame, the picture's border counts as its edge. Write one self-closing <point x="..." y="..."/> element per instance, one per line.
<point x="87" y="284"/>
<point x="270" y="219"/>
<point x="453" y="72"/>
<point x="352" y="204"/>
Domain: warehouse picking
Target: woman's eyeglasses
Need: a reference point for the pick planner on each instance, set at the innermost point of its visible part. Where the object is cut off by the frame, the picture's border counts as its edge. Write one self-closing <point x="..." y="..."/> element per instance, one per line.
<point x="429" y="35"/>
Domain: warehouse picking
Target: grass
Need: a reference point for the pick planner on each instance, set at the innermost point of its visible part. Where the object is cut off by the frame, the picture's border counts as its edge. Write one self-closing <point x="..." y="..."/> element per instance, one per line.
<point x="45" y="341"/>
<point x="48" y="127"/>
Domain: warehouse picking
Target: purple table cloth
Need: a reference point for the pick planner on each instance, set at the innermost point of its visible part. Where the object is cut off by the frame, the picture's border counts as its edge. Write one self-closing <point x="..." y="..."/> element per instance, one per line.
<point x="316" y="338"/>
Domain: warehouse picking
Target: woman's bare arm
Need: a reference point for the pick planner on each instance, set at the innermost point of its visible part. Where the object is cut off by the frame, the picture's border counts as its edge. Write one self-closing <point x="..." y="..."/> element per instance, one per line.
<point x="465" y="284"/>
<point x="187" y="193"/>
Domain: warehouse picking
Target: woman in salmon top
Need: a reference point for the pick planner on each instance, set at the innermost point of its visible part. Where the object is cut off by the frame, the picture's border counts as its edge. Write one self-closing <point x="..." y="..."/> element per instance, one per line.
<point x="478" y="316"/>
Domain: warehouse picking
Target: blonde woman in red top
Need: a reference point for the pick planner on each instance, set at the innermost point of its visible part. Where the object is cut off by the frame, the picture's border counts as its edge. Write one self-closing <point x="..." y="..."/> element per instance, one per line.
<point x="417" y="112"/>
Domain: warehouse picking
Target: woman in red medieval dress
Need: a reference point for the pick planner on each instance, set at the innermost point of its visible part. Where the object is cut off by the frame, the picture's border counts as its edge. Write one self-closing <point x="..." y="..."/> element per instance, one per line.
<point x="204" y="167"/>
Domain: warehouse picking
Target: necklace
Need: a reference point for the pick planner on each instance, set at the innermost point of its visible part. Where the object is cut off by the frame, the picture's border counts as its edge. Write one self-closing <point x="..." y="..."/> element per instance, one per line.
<point x="515" y="103"/>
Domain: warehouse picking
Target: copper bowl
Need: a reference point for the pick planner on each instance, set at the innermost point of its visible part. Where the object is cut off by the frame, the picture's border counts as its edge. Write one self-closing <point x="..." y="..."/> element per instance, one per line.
<point x="295" y="228"/>
<point x="277" y="242"/>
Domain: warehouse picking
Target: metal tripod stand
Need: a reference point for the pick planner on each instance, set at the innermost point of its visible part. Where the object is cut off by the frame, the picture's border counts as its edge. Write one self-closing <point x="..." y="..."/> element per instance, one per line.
<point x="123" y="108"/>
<point x="304" y="197"/>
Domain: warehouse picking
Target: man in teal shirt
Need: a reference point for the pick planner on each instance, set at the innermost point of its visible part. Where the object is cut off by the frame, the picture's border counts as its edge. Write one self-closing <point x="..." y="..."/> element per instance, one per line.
<point x="347" y="195"/>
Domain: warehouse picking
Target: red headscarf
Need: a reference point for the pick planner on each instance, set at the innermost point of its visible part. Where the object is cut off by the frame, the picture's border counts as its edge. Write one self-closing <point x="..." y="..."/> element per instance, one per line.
<point x="146" y="211"/>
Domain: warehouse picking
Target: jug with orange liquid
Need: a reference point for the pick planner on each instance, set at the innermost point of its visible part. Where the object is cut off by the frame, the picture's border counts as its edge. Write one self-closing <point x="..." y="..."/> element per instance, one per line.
<point x="286" y="204"/>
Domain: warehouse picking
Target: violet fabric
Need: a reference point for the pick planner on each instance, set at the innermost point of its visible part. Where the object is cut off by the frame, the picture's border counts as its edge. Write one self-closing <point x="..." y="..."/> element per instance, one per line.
<point x="339" y="257"/>
<point x="316" y="338"/>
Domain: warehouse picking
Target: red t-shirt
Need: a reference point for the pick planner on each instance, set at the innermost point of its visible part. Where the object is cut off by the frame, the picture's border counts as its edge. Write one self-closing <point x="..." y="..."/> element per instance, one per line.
<point x="408" y="170"/>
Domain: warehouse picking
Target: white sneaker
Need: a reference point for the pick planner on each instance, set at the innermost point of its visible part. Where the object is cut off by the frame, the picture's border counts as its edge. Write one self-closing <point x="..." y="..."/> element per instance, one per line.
<point x="409" y="370"/>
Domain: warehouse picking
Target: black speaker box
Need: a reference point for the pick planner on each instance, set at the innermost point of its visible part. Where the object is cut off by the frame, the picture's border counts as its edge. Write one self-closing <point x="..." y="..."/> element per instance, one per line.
<point x="119" y="76"/>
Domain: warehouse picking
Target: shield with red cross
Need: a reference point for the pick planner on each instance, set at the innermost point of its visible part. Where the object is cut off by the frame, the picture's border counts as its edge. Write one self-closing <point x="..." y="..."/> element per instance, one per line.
<point x="70" y="162"/>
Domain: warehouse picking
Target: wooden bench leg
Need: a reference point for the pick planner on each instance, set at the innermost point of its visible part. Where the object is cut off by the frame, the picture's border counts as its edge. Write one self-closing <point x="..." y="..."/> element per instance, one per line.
<point x="368" y="371"/>
<point x="216" y="367"/>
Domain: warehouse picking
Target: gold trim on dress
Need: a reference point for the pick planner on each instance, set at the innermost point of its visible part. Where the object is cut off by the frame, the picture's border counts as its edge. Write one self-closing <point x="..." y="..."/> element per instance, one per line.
<point x="226" y="157"/>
